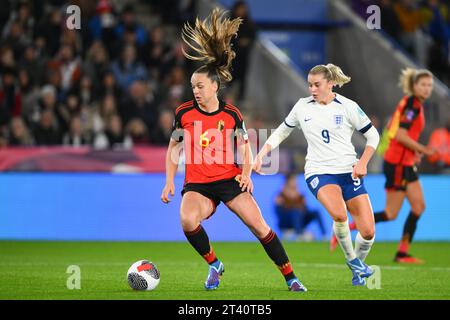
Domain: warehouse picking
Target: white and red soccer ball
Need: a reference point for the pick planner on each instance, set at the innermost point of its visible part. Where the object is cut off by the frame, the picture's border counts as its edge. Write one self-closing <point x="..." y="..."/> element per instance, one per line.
<point x="143" y="275"/>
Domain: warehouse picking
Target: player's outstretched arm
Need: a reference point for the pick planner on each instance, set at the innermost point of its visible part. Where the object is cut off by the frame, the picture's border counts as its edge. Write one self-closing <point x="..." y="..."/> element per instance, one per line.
<point x="257" y="163"/>
<point x="282" y="132"/>
<point x="172" y="158"/>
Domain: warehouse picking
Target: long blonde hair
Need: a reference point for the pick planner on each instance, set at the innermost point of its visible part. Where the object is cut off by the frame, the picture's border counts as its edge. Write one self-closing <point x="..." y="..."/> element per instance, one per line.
<point x="411" y="76"/>
<point x="331" y="72"/>
<point x="210" y="40"/>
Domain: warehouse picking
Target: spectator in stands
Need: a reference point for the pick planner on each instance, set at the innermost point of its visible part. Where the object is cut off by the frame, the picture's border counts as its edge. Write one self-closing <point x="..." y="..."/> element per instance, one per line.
<point x="389" y="22"/>
<point x="157" y="53"/>
<point x="128" y="22"/>
<point x="440" y="140"/>
<point x="49" y="101"/>
<point x="50" y="30"/>
<point x="102" y="25"/>
<point x="10" y="97"/>
<point x="46" y="133"/>
<point x="70" y="109"/>
<point x="410" y="21"/>
<point x="128" y="69"/>
<point x="15" y="38"/>
<point x="7" y="58"/>
<point x="108" y="108"/>
<point x="84" y="89"/>
<point x="76" y="136"/>
<point x="242" y="45"/>
<point x="163" y="131"/>
<point x="114" y="136"/>
<point x="292" y="212"/>
<point x="176" y="85"/>
<point x="33" y="64"/>
<point x="22" y="17"/>
<point x="19" y="134"/>
<point x="29" y="93"/>
<point x="138" y="132"/>
<point x="109" y="86"/>
<point x="68" y="66"/>
<point x="141" y="104"/>
<point x="96" y="64"/>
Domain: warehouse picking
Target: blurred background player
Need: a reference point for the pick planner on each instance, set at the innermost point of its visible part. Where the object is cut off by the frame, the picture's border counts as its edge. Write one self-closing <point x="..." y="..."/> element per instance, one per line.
<point x="440" y="141"/>
<point x="209" y="181"/>
<point x="402" y="155"/>
<point x="332" y="171"/>
<point x="293" y="214"/>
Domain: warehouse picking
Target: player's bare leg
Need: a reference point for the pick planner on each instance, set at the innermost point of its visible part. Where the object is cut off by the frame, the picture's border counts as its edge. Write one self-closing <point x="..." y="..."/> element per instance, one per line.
<point x="330" y="196"/>
<point x="414" y="193"/>
<point x="394" y="202"/>
<point x="246" y="208"/>
<point x="194" y="209"/>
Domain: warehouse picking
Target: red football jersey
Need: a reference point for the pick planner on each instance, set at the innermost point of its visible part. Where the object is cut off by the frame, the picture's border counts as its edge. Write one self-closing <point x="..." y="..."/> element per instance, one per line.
<point x="209" y="141"/>
<point x="409" y="115"/>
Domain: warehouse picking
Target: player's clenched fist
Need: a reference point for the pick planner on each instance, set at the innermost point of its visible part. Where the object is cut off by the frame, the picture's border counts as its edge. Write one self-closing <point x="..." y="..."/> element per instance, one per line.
<point x="169" y="188"/>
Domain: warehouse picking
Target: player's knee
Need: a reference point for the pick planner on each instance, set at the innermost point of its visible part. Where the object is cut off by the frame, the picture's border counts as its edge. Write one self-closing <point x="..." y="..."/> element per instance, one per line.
<point x="391" y="215"/>
<point x="418" y="208"/>
<point x="188" y="221"/>
<point x="339" y="217"/>
<point x="368" y="233"/>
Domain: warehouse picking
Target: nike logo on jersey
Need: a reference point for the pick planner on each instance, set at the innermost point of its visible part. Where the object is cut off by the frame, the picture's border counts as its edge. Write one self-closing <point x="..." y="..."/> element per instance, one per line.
<point x="306" y="120"/>
<point x="355" y="189"/>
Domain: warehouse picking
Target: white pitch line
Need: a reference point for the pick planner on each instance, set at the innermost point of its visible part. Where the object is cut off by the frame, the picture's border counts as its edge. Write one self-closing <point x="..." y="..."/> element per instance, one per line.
<point x="192" y="263"/>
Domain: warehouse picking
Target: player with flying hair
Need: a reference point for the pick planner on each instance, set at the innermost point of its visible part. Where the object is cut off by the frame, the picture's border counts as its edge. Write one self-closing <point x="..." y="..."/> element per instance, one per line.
<point x="212" y="176"/>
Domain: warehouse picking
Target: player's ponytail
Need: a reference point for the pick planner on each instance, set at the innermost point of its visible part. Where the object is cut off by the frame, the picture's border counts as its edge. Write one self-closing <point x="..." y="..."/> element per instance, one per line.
<point x="411" y="76"/>
<point x="331" y="72"/>
<point x="210" y="40"/>
<point x="337" y="76"/>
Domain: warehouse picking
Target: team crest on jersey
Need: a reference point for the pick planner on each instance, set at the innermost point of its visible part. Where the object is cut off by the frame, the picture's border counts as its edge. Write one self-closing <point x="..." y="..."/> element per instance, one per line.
<point x="220" y="125"/>
<point x="410" y="115"/>
<point x="338" y="120"/>
<point x="314" y="182"/>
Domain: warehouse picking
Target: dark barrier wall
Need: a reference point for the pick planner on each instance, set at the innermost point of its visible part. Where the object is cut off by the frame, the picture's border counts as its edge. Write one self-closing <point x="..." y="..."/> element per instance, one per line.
<point x="128" y="207"/>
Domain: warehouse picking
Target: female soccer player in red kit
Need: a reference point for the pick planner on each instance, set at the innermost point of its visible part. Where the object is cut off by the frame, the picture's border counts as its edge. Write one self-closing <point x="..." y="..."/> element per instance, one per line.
<point x="207" y="126"/>
<point x="401" y="156"/>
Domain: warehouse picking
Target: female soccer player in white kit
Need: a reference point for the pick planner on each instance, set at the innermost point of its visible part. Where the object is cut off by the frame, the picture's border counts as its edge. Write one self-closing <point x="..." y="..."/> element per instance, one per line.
<point x="332" y="171"/>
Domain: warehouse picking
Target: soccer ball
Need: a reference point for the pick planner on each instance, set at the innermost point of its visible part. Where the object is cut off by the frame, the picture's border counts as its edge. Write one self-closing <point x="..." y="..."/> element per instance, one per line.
<point x="143" y="275"/>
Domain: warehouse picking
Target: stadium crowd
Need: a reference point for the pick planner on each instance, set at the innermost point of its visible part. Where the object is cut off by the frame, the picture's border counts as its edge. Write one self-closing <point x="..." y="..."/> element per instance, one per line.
<point x="112" y="84"/>
<point x="421" y="27"/>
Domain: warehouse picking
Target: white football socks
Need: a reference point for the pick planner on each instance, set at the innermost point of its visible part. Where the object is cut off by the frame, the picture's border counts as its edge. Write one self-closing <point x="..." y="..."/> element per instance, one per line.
<point x="363" y="246"/>
<point x="342" y="232"/>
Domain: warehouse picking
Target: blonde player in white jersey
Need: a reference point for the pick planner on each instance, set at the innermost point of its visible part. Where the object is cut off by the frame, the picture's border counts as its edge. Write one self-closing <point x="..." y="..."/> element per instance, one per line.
<point x="332" y="171"/>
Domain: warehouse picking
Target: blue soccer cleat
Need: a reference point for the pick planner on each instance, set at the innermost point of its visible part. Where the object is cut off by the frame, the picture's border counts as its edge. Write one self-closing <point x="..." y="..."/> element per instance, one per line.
<point x="360" y="270"/>
<point x="213" y="280"/>
<point x="296" y="285"/>
<point x="357" y="280"/>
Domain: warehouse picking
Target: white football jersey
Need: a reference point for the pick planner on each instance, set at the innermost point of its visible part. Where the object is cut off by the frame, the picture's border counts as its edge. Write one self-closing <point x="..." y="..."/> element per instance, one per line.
<point x="328" y="130"/>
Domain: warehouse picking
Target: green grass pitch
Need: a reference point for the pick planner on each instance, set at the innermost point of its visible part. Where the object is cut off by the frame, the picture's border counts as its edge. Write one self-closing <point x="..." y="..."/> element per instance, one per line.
<point x="37" y="270"/>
